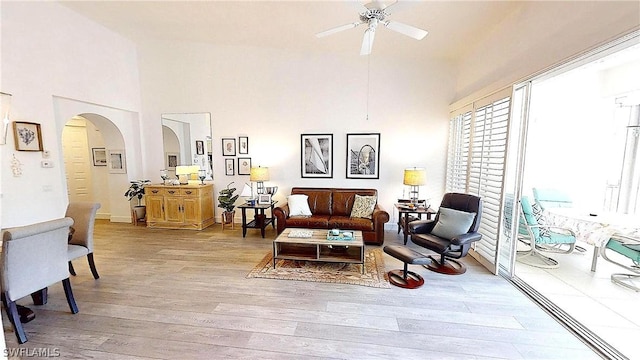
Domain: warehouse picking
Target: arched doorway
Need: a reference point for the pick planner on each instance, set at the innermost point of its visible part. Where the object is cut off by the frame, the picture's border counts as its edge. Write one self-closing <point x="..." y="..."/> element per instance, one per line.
<point x="87" y="140"/>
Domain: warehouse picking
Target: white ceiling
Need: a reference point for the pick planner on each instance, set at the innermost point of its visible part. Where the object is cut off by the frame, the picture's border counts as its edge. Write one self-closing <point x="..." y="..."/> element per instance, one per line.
<point x="290" y="25"/>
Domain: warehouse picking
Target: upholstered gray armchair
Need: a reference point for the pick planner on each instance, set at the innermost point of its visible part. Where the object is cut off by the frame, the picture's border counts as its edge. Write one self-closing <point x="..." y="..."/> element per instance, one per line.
<point x="81" y="244"/>
<point x="33" y="258"/>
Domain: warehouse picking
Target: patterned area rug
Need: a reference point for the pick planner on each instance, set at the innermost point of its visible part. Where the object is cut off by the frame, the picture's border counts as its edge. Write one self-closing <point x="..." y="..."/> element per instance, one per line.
<point x="374" y="272"/>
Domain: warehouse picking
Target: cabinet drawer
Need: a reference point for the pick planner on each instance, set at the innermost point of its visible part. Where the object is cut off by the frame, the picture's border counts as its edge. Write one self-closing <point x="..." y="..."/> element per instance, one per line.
<point x="190" y="192"/>
<point x="172" y="192"/>
<point x="153" y="191"/>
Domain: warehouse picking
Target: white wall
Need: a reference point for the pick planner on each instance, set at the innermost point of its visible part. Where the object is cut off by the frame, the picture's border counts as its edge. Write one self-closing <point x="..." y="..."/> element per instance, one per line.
<point x="49" y="53"/>
<point x="539" y="35"/>
<point x="274" y="96"/>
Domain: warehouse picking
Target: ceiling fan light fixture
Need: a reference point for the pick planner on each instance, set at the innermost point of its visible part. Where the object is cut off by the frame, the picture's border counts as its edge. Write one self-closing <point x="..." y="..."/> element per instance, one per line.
<point x="375" y="13"/>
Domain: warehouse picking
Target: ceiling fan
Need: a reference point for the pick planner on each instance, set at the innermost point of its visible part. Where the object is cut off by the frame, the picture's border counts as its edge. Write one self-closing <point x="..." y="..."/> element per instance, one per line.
<point x="375" y="13"/>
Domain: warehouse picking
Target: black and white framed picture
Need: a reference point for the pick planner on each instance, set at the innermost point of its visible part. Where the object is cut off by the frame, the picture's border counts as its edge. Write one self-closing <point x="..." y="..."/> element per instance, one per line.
<point x="243" y="145"/>
<point x="228" y="147"/>
<point x="199" y="147"/>
<point x="116" y="162"/>
<point x="363" y="156"/>
<point x="229" y="167"/>
<point x="99" y="156"/>
<point x="244" y="166"/>
<point x="316" y="155"/>
<point x="171" y="160"/>
<point x="264" y="199"/>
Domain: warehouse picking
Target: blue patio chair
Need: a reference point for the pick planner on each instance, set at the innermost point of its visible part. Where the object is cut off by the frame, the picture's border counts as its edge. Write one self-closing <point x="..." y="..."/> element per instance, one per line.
<point x="542" y="237"/>
<point x="629" y="248"/>
<point x="551" y="198"/>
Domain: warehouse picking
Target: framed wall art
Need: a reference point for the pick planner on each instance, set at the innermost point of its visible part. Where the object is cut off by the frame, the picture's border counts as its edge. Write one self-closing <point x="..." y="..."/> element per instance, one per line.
<point x="116" y="162"/>
<point x="363" y="156"/>
<point x="244" y="166"/>
<point x="228" y="147"/>
<point x="243" y="145"/>
<point x="27" y="136"/>
<point x="316" y="155"/>
<point x="199" y="147"/>
<point x="99" y="156"/>
<point x="171" y="160"/>
<point x="229" y="167"/>
<point x="264" y="199"/>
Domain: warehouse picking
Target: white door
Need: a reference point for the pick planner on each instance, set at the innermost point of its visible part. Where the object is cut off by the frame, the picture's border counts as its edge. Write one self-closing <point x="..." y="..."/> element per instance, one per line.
<point x="77" y="162"/>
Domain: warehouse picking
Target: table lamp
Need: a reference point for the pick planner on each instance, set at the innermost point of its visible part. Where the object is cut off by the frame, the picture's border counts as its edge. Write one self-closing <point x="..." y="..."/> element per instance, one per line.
<point x="259" y="175"/>
<point x="186" y="173"/>
<point x="415" y="177"/>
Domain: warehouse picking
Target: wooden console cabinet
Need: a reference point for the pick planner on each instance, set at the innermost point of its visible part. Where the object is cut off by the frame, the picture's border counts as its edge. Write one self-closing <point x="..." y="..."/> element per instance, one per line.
<point x="179" y="206"/>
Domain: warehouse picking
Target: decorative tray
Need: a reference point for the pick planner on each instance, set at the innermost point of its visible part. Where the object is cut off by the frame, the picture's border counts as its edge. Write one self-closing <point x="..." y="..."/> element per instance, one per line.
<point x="343" y="235"/>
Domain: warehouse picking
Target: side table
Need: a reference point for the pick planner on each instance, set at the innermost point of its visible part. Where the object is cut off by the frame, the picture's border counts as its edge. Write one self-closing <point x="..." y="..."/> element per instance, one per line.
<point x="404" y="217"/>
<point x="260" y="220"/>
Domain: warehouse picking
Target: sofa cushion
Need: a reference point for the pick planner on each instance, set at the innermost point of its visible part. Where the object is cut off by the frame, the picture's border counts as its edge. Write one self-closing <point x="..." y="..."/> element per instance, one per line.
<point x="349" y="223"/>
<point x="363" y="206"/>
<point x="343" y="200"/>
<point x="312" y="222"/>
<point x="452" y="223"/>
<point x="298" y="205"/>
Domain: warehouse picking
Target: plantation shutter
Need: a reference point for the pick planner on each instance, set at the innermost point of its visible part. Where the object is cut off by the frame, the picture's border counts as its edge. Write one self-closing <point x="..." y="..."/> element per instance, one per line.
<point x="458" y="152"/>
<point x="481" y="134"/>
<point x="486" y="173"/>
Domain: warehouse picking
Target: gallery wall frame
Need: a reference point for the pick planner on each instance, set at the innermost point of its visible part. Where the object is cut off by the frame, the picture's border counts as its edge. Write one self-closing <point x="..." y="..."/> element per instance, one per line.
<point x="27" y="136"/>
<point x="363" y="156"/>
<point x="99" y="156"/>
<point x="116" y="162"/>
<point x="228" y="147"/>
<point x="244" y="166"/>
<point x="229" y="167"/>
<point x="316" y="155"/>
<point x="199" y="147"/>
<point x="243" y="145"/>
<point x="171" y="160"/>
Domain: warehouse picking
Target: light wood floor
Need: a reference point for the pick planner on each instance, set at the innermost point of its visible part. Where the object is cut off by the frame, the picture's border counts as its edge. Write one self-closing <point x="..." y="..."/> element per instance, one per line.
<point x="180" y="294"/>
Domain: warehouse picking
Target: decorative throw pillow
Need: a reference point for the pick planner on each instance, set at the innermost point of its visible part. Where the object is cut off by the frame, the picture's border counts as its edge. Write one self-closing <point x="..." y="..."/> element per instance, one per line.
<point x="298" y="205"/>
<point x="363" y="206"/>
<point x="452" y="223"/>
<point x="540" y="219"/>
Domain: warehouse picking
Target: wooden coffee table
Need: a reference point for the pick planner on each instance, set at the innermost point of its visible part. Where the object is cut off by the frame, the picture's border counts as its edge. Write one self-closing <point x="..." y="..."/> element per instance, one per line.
<point x="318" y="248"/>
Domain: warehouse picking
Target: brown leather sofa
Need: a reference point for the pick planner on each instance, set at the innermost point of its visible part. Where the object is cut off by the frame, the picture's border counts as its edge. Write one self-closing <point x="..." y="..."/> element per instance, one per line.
<point x="331" y="209"/>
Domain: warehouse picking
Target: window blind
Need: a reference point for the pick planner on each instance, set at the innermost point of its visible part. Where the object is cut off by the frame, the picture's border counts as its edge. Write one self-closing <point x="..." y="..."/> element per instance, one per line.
<point x="476" y="163"/>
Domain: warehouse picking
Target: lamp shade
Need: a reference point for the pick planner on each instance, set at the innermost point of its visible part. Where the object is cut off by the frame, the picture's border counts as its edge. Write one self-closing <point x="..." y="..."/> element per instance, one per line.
<point x="415" y="177"/>
<point x="187" y="169"/>
<point x="259" y="174"/>
<point x="182" y="170"/>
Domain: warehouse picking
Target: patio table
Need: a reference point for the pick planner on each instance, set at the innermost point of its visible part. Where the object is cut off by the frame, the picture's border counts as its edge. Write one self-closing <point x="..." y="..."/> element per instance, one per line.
<point x="595" y="229"/>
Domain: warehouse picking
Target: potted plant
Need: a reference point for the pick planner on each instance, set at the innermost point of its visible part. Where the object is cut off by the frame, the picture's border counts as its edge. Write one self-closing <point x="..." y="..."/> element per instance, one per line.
<point x="136" y="190"/>
<point x="227" y="201"/>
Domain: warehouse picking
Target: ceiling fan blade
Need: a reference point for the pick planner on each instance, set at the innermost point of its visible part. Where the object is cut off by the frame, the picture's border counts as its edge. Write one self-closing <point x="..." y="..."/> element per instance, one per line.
<point x="367" y="41"/>
<point x="338" y="29"/>
<point x="405" y="29"/>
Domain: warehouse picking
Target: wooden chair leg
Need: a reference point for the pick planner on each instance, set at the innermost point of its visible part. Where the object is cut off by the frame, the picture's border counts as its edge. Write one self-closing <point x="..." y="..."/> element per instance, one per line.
<point x="92" y="266"/>
<point x="72" y="271"/>
<point x="66" y="284"/>
<point x="14" y="318"/>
